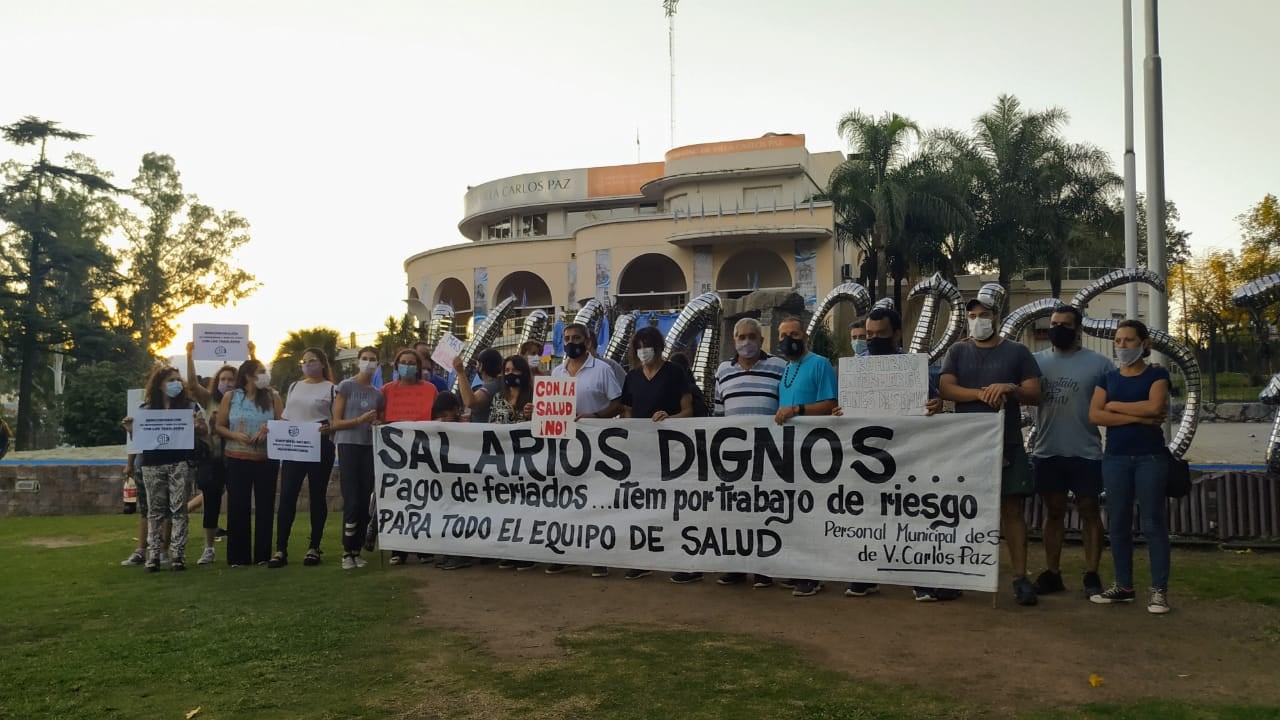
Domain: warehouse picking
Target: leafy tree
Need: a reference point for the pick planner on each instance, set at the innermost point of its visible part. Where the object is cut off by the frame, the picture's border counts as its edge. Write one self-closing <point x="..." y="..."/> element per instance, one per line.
<point x="1107" y="248"/>
<point x="179" y="255"/>
<point x="1260" y="239"/>
<point x="394" y="335"/>
<point x="1077" y="183"/>
<point x="94" y="403"/>
<point x="53" y="264"/>
<point x="285" y="367"/>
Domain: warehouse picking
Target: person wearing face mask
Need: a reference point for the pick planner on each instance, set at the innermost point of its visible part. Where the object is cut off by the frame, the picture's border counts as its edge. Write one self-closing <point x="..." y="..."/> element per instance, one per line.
<point x="513" y="404"/>
<point x="1066" y="455"/>
<point x="310" y="400"/>
<point x="408" y="399"/>
<point x="214" y="484"/>
<point x="598" y="393"/>
<point x="429" y="367"/>
<point x="356" y="408"/>
<point x="532" y="354"/>
<point x="480" y="398"/>
<point x="990" y="374"/>
<point x="166" y="473"/>
<point x="251" y="475"/>
<point x="747" y="384"/>
<point x="808" y="387"/>
<point x="858" y="337"/>
<point x="883" y="336"/>
<point x="1132" y="402"/>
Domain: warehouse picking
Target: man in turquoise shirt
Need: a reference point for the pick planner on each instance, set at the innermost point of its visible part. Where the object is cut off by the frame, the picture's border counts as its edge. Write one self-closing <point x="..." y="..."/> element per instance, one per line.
<point x="808" y="387"/>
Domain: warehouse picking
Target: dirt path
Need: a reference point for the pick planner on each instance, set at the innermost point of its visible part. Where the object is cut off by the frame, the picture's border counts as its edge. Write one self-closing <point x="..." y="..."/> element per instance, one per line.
<point x="1008" y="658"/>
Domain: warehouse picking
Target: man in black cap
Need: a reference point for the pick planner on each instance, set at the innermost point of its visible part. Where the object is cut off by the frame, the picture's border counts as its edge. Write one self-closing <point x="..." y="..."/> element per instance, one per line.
<point x="988" y="374"/>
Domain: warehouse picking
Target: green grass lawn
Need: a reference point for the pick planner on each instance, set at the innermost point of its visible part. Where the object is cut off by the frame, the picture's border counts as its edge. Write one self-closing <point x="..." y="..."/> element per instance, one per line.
<point x="84" y="638"/>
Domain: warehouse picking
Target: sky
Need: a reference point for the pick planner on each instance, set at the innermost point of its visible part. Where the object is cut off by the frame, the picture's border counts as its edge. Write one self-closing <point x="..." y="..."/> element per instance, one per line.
<point x="347" y="133"/>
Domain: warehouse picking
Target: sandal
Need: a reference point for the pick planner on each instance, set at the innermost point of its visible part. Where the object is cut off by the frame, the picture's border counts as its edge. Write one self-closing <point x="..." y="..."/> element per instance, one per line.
<point x="278" y="560"/>
<point x="312" y="557"/>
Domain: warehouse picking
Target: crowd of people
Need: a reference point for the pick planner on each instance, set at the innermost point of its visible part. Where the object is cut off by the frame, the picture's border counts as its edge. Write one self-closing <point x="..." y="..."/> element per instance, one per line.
<point x="1076" y="392"/>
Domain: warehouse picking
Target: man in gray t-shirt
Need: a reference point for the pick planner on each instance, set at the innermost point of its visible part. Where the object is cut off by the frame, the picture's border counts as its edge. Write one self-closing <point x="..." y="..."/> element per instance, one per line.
<point x="986" y="374"/>
<point x="1067" y="449"/>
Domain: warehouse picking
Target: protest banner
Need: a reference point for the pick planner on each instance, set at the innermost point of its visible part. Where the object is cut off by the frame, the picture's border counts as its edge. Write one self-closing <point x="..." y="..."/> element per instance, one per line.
<point x="164" y="429"/>
<point x="887" y="500"/>
<point x="447" y="349"/>
<point x="133" y="401"/>
<point x="880" y="385"/>
<point x="222" y="343"/>
<point x="555" y="407"/>
<point x="299" y="442"/>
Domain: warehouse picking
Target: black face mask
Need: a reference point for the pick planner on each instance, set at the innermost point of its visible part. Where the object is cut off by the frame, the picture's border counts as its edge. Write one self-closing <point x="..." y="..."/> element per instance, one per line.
<point x="791" y="347"/>
<point x="575" y="350"/>
<point x="881" y="346"/>
<point x="1062" y="338"/>
<point x="511" y="380"/>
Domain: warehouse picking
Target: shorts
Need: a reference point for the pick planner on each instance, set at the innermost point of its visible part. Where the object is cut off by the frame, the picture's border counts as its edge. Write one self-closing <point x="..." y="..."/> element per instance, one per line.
<point x="1057" y="475"/>
<point x="1015" y="477"/>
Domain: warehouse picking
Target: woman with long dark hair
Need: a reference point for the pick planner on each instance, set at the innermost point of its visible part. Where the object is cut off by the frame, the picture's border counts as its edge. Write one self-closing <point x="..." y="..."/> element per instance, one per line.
<point x="251" y="476"/>
<point x="212" y="480"/>
<point x="357" y="407"/>
<point x="310" y="401"/>
<point x="512" y="405"/>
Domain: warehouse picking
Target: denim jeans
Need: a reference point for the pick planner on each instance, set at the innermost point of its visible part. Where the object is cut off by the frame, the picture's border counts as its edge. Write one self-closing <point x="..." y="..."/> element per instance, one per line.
<point x="1140" y="478"/>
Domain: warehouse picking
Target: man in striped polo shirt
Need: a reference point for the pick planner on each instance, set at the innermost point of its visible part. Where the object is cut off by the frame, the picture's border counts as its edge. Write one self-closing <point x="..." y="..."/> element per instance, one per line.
<point x="747" y="384"/>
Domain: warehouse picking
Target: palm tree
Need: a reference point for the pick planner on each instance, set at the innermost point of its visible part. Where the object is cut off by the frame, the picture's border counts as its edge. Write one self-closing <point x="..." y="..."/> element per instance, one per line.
<point x="285" y="367"/>
<point x="1078" y="185"/>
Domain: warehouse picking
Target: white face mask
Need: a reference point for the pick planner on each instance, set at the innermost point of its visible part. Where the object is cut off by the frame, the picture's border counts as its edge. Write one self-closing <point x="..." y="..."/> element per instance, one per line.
<point x="1129" y="356"/>
<point x="263" y="381"/>
<point x="646" y="355"/>
<point x="981" y="329"/>
<point x="534" y="360"/>
<point x="367" y="366"/>
<point x="747" y="349"/>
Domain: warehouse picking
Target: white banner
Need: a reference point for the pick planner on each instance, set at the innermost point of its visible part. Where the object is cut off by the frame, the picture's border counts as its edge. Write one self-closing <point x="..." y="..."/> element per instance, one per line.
<point x="164" y="430"/>
<point x="222" y="343"/>
<point x="900" y="500"/>
<point x="879" y="385"/>
<point x="299" y="442"/>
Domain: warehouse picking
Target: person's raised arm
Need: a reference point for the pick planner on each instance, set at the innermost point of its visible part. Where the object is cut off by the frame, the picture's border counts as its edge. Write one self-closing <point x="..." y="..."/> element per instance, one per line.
<point x="198" y="392"/>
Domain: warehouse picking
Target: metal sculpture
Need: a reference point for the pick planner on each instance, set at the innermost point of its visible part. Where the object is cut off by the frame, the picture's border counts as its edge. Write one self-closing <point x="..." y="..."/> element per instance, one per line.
<point x="590" y="315"/>
<point x="935" y="289"/>
<point x="703" y="314"/>
<point x="440" y="322"/>
<point x="485" y="335"/>
<point x="885" y="303"/>
<point x="1115" y="279"/>
<point x="1018" y="320"/>
<point x="535" y="328"/>
<point x="620" y="342"/>
<point x="1256" y="296"/>
<point x="850" y="292"/>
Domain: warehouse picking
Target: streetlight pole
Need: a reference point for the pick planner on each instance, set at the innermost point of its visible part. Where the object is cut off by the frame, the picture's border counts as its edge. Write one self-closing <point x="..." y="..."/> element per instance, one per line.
<point x="1130" y="168"/>
<point x="1159" y="311"/>
<point x="669" y="7"/>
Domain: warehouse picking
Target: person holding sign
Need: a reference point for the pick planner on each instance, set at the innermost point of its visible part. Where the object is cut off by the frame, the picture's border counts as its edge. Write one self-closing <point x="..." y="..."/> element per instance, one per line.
<point x="597" y="393"/>
<point x="429" y="366"/>
<point x="1066" y="454"/>
<point x="251" y="475"/>
<point x="356" y="408"/>
<point x="214" y="483"/>
<point x="808" y="387"/>
<point x="747" y="384"/>
<point x="310" y="400"/>
<point x="408" y="399"/>
<point x="1132" y="402"/>
<point x="990" y="374"/>
<point x="167" y="473"/>
<point x="514" y="404"/>
<point x="480" y="398"/>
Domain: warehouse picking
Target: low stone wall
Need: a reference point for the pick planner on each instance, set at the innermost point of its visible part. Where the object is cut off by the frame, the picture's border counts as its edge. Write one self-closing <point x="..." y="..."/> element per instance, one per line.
<point x="48" y="489"/>
<point x="1234" y="412"/>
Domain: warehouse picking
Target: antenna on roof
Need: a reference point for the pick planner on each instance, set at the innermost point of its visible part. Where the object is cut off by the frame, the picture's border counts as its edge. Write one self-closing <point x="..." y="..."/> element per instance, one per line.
<point x="669" y="8"/>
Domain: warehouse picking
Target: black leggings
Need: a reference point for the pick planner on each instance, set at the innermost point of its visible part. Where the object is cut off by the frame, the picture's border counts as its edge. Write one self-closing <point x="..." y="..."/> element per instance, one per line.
<point x="250" y="483"/>
<point x="355" y="473"/>
<point x="291" y="476"/>
<point x="215" y="482"/>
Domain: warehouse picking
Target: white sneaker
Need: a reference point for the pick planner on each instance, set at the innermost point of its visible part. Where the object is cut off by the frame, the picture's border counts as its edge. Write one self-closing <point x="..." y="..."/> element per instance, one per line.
<point x="207" y="557"/>
<point x="164" y="558"/>
<point x="360" y="562"/>
<point x="348" y="562"/>
<point x="1159" y="603"/>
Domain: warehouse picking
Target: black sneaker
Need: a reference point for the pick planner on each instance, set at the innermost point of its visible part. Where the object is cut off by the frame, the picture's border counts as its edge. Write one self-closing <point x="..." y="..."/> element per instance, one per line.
<point x="1092" y="584"/>
<point x="684" y="578"/>
<point x="731" y="578"/>
<point x="599" y="572"/>
<point x="788" y="584"/>
<point x="425" y="558"/>
<point x="1024" y="592"/>
<point x="152" y="566"/>
<point x="925" y="594"/>
<point x="1049" y="582"/>
<point x="806" y="588"/>
<point x="457" y="563"/>
<point x="522" y="565"/>
<point x="556" y="569"/>
<point x="637" y="574"/>
<point x="505" y="564"/>
<point x="179" y="565"/>
<point x="860" y="589"/>
<point x="947" y="594"/>
<point x="1113" y="595"/>
<point x="762" y="582"/>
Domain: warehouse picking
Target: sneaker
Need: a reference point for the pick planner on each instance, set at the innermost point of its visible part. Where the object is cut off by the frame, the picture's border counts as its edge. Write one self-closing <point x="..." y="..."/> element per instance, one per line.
<point x="206" y="557"/>
<point x="164" y="558"/>
<point x="1112" y="595"/>
<point x="1049" y="582"/>
<point x="860" y="589"/>
<point x="179" y="565"/>
<point x="457" y="563"/>
<point x="1092" y="584"/>
<point x="596" y="572"/>
<point x="762" y="582"/>
<point x="1159" y="602"/>
<point x="278" y="560"/>
<point x="1024" y="593"/>
<point x="925" y="594"/>
<point x="505" y="564"/>
<point x="806" y="588"/>
<point x="348" y="562"/>
<point x="134" y="559"/>
<point x="684" y="578"/>
<point x="219" y="534"/>
<point x="947" y="594"/>
<point x="731" y="578"/>
<point x="522" y="565"/>
<point x="787" y="584"/>
<point x="151" y="566"/>
<point x="397" y="558"/>
<point x="637" y="574"/>
<point x="360" y="562"/>
<point x="312" y="558"/>
<point x="425" y="558"/>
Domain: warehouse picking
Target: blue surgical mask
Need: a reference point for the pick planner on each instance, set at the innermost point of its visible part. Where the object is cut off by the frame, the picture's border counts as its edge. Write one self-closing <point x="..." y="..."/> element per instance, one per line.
<point x="859" y="346"/>
<point x="173" y="388"/>
<point x="406" y="370"/>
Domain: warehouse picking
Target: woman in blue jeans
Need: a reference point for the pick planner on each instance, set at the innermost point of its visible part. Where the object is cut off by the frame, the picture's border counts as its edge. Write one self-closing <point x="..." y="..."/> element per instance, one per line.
<point x="1132" y="402"/>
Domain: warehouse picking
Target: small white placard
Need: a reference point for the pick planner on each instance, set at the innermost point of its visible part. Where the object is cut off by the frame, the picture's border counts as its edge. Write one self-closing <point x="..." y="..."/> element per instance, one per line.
<point x="221" y="343"/>
<point x="878" y="385"/>
<point x="293" y="441"/>
<point x="164" y="429"/>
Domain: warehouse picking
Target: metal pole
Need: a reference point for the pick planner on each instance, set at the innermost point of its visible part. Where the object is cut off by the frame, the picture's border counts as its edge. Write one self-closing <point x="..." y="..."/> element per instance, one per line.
<point x="1130" y="168"/>
<point x="1159" y="311"/>
<point x="670" y="7"/>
